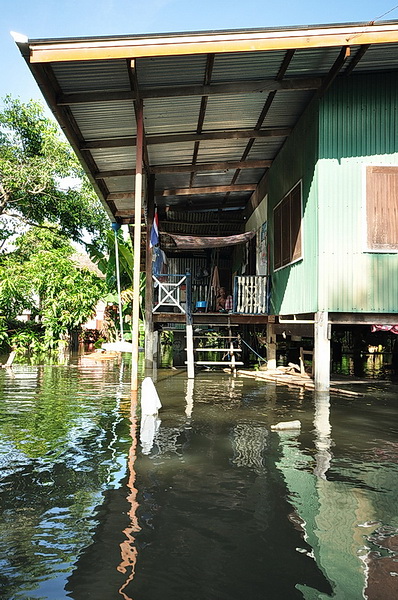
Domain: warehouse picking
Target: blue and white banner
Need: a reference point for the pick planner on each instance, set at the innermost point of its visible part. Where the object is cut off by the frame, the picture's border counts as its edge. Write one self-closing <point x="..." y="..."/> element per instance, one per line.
<point x="154" y="239"/>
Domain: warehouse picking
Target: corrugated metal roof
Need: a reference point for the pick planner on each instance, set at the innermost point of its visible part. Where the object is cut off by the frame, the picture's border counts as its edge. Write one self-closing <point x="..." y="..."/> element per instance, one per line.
<point x="184" y="120"/>
<point x="102" y="120"/>
<point x="246" y="66"/>
<point x="163" y="115"/>
<point x="157" y="71"/>
<point x="108" y="159"/>
<point x="233" y="111"/>
<point x="91" y="76"/>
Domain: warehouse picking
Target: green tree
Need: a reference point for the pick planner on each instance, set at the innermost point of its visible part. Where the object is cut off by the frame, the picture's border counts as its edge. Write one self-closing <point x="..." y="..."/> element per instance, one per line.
<point x="106" y="262"/>
<point x="41" y="181"/>
<point x="41" y="275"/>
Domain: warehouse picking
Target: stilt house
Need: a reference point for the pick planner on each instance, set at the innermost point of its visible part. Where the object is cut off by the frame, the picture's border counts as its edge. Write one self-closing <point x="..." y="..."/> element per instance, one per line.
<point x="268" y="157"/>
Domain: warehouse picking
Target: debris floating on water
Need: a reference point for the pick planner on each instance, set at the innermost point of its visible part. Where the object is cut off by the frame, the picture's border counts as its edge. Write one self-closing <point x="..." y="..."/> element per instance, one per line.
<point x="286" y="425"/>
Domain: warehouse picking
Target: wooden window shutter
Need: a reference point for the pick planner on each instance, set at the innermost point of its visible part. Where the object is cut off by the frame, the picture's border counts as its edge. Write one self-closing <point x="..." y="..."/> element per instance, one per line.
<point x="295" y="223"/>
<point x="286" y="242"/>
<point x="382" y="208"/>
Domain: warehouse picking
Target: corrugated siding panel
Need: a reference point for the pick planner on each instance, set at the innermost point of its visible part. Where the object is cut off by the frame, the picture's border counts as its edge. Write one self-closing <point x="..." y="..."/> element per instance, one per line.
<point x="250" y="175"/>
<point x="286" y="107"/>
<point x="120" y="184"/>
<point x="239" y="111"/>
<point x="379" y="57"/>
<point x="266" y="148"/>
<point x="109" y="159"/>
<point x="181" y="70"/>
<point x="92" y="76"/>
<point x="294" y="287"/>
<point x="358" y="127"/>
<point x="211" y="151"/>
<point x="246" y="66"/>
<point x="172" y="180"/>
<point x="169" y="154"/>
<point x="105" y="119"/>
<point x="313" y="61"/>
<point x="171" y="114"/>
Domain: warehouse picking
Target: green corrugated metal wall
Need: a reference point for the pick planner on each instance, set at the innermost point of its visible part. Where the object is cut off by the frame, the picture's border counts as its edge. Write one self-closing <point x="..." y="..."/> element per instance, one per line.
<point x="358" y="126"/>
<point x="294" y="288"/>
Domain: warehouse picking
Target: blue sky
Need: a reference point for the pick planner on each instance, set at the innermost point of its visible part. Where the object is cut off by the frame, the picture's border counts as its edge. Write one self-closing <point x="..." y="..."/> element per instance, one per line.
<point x="75" y="18"/>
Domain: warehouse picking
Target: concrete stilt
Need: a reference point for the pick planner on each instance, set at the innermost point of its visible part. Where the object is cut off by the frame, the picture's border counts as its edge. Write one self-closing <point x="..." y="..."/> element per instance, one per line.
<point x="271" y="346"/>
<point x="322" y="352"/>
<point x="190" y="355"/>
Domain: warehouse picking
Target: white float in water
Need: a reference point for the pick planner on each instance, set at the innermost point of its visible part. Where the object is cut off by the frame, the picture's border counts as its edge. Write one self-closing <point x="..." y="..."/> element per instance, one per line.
<point x="286" y="425"/>
<point x="150" y="401"/>
<point x="150" y="404"/>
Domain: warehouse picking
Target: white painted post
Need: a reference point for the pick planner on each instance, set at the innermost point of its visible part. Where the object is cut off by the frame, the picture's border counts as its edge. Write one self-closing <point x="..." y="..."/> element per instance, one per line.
<point x="322" y="352"/>
<point x="137" y="248"/>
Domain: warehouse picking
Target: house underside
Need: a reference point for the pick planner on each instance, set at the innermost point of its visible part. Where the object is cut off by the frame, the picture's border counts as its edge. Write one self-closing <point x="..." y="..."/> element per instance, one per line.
<point x="227" y="134"/>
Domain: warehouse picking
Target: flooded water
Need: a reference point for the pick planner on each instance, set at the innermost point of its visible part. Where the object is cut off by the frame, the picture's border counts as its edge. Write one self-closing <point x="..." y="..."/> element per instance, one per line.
<point x="206" y="502"/>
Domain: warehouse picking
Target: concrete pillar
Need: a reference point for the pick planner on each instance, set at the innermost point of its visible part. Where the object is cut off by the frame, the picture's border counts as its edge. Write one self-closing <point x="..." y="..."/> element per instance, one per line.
<point x="322" y="351"/>
<point x="271" y="346"/>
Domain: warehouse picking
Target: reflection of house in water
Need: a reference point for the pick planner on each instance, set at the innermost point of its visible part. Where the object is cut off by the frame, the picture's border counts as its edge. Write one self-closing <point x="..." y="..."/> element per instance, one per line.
<point x="336" y="519"/>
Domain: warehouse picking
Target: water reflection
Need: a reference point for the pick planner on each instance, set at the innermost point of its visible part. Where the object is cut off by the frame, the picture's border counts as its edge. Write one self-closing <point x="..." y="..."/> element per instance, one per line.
<point x="211" y="504"/>
<point x="323" y="431"/>
<point x="128" y="548"/>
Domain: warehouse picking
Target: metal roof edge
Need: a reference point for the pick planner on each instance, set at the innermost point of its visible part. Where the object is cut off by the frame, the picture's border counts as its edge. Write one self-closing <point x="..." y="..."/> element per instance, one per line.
<point x="173" y="34"/>
<point x="107" y="48"/>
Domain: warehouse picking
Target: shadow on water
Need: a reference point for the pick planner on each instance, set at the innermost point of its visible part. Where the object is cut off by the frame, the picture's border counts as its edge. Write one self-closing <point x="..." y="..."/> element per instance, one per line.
<point x="206" y="503"/>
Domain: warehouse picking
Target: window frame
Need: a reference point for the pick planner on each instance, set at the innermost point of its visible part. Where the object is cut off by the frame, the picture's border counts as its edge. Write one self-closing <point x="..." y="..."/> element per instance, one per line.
<point x="283" y="207"/>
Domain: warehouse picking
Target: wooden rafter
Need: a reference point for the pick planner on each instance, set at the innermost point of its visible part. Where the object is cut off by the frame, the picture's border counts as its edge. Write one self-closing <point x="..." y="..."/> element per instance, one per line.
<point x="267" y="105"/>
<point x="202" y="112"/>
<point x="180" y="91"/>
<point x="190" y="191"/>
<point x="344" y="54"/>
<point x="138" y="105"/>
<point x="356" y="58"/>
<point x="236" y="134"/>
<point x="214" y="189"/>
<point x="198" y="168"/>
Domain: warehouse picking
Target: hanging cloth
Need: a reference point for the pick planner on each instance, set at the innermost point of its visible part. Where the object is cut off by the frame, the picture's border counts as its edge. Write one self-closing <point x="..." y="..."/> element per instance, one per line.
<point x="191" y="242"/>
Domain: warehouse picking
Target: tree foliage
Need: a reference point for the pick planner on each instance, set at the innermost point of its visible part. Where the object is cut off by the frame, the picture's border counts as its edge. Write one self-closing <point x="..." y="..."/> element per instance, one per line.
<point x="40" y="275"/>
<point x="41" y="181"/>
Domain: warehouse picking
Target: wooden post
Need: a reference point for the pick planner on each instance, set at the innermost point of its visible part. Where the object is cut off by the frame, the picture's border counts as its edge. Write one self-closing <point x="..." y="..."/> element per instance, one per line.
<point x="149" y="349"/>
<point x="137" y="245"/>
<point x="271" y="346"/>
<point x="322" y="352"/>
<point x="189" y="330"/>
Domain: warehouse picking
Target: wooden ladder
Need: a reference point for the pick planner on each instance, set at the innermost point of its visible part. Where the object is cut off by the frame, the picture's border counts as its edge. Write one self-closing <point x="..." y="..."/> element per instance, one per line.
<point x="230" y="349"/>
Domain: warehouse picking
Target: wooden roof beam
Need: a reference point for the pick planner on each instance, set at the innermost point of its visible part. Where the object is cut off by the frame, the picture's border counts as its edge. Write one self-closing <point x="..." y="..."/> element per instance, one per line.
<point x="202" y="112"/>
<point x="190" y="191"/>
<point x="345" y="53"/>
<point x="197" y="168"/>
<point x="271" y="96"/>
<point x="355" y="60"/>
<point x="180" y="91"/>
<point x="178" y="138"/>
<point x="215" y="189"/>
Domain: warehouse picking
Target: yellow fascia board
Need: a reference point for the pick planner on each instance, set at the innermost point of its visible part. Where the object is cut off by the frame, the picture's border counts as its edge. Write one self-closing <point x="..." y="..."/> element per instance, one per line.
<point x="212" y="43"/>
